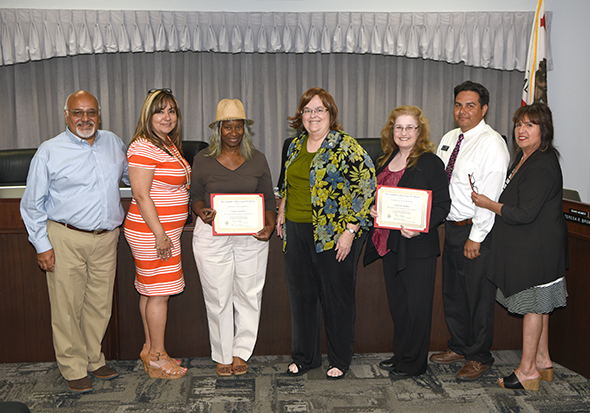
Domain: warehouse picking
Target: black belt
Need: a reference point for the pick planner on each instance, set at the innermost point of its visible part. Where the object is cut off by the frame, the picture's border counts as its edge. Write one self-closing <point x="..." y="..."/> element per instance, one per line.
<point x="95" y="232"/>
<point x="461" y="223"/>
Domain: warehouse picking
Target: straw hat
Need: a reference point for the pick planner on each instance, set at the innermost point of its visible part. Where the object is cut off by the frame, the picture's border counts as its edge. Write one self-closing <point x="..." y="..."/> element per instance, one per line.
<point x="230" y="109"/>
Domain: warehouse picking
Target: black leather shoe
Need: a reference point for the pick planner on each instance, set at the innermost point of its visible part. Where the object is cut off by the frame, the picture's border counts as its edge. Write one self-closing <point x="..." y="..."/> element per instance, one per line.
<point x="396" y="374"/>
<point x="388" y="364"/>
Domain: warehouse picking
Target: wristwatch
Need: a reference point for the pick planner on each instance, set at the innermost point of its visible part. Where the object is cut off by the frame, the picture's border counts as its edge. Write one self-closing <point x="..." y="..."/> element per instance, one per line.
<point x="352" y="231"/>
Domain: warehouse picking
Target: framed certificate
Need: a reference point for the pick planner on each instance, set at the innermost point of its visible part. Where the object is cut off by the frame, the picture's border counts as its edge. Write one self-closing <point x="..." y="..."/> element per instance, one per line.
<point x="237" y="214"/>
<point x="403" y="206"/>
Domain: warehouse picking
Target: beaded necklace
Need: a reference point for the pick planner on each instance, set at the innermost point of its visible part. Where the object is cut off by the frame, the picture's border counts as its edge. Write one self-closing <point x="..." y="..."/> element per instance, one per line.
<point x="182" y="162"/>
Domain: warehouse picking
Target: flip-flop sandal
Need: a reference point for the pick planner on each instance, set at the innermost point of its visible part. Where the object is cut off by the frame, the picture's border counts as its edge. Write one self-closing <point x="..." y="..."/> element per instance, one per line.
<point x="335" y="377"/>
<point x="301" y="370"/>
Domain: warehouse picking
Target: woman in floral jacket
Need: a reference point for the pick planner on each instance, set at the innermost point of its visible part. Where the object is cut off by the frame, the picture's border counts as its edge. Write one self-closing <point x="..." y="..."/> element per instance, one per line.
<point x="323" y="218"/>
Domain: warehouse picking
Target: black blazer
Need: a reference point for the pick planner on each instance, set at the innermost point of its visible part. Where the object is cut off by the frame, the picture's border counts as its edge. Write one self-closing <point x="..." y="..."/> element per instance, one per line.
<point x="428" y="173"/>
<point x="529" y="240"/>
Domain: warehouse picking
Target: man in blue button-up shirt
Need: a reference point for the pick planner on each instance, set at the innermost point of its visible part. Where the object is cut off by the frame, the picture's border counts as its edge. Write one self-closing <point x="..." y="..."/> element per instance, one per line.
<point x="72" y="210"/>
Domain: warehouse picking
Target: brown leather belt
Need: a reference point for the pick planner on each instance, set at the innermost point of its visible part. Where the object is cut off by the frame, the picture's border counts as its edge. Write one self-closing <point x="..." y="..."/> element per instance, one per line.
<point x="461" y="223"/>
<point x="95" y="232"/>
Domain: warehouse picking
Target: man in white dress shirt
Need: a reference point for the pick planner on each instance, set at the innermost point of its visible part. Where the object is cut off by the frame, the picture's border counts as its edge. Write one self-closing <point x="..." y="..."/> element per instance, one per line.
<point x="476" y="157"/>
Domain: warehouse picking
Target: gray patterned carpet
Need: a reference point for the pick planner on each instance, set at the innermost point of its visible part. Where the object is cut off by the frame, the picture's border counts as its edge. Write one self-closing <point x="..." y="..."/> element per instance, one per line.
<point x="266" y="388"/>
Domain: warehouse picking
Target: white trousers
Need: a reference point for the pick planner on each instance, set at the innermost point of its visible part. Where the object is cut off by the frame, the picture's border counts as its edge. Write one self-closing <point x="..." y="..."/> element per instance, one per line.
<point x="232" y="269"/>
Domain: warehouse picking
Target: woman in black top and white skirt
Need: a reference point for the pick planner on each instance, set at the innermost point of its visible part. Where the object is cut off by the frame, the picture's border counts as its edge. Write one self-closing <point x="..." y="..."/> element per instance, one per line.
<point x="529" y="242"/>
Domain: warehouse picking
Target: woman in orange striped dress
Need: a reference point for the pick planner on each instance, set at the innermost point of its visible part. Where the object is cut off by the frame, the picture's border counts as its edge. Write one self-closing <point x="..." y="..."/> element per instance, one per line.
<point x="159" y="177"/>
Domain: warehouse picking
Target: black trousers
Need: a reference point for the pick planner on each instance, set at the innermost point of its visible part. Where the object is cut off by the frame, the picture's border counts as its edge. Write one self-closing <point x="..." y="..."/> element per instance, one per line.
<point x="468" y="296"/>
<point x="317" y="284"/>
<point x="410" y="294"/>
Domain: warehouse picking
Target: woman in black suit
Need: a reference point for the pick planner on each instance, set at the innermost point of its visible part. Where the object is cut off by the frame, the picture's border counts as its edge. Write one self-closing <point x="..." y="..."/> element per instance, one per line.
<point x="529" y="242"/>
<point x="409" y="257"/>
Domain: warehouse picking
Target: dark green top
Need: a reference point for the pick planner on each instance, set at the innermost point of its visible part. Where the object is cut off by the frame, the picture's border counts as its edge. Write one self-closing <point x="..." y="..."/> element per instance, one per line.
<point x="299" y="189"/>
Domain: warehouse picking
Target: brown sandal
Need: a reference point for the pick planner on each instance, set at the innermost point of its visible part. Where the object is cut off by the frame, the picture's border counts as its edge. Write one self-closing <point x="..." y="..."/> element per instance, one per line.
<point x="171" y="370"/>
<point x="240" y="366"/>
<point x="145" y="353"/>
<point x="224" y="370"/>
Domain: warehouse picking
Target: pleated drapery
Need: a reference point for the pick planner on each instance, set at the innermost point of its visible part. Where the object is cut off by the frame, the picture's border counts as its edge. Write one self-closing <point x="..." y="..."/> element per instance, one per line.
<point x="495" y="40"/>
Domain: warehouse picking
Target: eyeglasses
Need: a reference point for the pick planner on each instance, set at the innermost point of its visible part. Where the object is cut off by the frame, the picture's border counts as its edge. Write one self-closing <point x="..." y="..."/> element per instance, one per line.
<point x="472" y="183"/>
<point x="409" y="128"/>
<point x="77" y="113"/>
<point x="163" y="90"/>
<point x="319" y="111"/>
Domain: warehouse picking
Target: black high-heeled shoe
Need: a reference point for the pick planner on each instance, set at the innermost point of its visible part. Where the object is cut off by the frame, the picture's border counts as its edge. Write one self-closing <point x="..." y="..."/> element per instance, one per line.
<point x="512" y="382"/>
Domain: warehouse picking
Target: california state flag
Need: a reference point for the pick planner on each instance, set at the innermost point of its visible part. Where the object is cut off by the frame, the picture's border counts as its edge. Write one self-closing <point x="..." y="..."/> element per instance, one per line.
<point x="535" y="77"/>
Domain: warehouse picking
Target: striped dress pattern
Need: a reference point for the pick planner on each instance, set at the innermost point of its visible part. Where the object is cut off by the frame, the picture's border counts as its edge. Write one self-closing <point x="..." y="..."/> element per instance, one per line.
<point x="155" y="277"/>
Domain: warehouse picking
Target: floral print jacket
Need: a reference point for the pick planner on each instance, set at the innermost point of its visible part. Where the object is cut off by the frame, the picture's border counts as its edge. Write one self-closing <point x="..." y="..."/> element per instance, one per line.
<point x="342" y="181"/>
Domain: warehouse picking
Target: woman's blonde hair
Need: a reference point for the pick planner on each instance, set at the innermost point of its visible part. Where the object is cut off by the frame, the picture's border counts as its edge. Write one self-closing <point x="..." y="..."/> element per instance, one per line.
<point x="247" y="147"/>
<point x="154" y="102"/>
<point x="423" y="143"/>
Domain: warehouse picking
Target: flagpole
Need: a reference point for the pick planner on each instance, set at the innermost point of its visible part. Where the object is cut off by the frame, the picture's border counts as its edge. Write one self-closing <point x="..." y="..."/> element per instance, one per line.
<point x="535" y="89"/>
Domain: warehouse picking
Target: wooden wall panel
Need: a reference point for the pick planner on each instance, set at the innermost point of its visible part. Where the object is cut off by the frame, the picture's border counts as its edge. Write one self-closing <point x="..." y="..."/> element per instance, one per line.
<point x="569" y="332"/>
<point x="25" y="321"/>
<point x="24" y="299"/>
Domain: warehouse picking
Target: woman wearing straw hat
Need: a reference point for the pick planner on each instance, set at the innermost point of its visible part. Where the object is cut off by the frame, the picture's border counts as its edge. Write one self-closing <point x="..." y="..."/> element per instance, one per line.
<point x="232" y="268"/>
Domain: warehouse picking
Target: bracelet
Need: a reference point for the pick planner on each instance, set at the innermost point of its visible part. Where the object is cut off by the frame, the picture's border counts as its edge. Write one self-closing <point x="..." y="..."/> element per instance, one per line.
<point x="352" y="231"/>
<point x="165" y="239"/>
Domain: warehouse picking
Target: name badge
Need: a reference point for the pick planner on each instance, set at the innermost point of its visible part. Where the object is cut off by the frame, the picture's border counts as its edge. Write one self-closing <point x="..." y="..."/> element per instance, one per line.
<point x="444" y="148"/>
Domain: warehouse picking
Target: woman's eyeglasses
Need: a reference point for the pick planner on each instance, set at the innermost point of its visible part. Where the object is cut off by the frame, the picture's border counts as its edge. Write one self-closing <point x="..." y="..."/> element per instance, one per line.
<point x="308" y="111"/>
<point x="409" y="128"/>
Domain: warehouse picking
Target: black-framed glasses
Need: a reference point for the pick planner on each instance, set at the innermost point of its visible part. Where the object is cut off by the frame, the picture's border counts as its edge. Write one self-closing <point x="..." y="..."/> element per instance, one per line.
<point x="472" y="183"/>
<point x="77" y="113"/>
<point x="164" y="89"/>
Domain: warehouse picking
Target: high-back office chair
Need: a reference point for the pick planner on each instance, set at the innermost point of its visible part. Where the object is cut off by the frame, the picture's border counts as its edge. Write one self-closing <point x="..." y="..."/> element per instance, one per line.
<point x="14" y="166"/>
<point x="191" y="148"/>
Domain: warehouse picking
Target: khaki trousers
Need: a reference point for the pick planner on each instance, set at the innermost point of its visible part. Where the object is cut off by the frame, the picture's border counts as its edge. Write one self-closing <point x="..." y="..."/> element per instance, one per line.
<point x="81" y="296"/>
